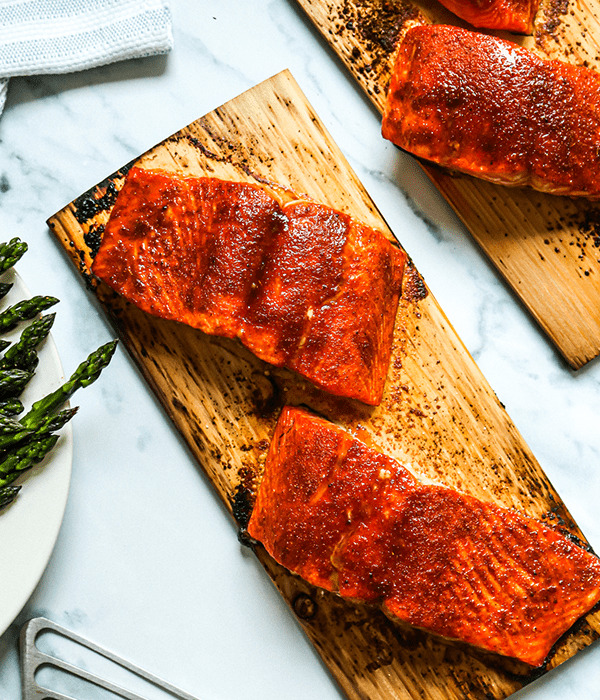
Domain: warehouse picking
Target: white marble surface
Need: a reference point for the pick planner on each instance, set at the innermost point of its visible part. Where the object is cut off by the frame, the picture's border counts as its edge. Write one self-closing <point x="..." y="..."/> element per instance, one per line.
<point x="147" y="562"/>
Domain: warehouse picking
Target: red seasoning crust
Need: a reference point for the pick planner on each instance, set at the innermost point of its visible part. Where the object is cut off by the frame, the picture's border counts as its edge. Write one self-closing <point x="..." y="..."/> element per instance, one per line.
<point x="510" y="15"/>
<point x="301" y="285"/>
<point x="352" y="520"/>
<point x="486" y="107"/>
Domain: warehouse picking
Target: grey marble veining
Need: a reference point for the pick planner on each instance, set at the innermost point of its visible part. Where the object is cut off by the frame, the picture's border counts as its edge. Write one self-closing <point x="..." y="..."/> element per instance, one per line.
<point x="155" y="572"/>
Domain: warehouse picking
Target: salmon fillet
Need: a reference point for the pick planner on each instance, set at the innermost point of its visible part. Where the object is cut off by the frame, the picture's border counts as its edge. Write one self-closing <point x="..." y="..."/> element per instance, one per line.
<point x="510" y="15"/>
<point x="352" y="520"/>
<point x="491" y="109"/>
<point x="301" y="285"/>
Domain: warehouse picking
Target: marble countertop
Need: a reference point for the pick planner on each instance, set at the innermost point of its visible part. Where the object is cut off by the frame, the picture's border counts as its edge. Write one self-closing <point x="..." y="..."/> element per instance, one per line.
<point x="147" y="562"/>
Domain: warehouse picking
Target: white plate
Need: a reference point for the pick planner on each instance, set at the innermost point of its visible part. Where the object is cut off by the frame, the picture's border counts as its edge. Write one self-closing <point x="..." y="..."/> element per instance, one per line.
<point x="29" y="526"/>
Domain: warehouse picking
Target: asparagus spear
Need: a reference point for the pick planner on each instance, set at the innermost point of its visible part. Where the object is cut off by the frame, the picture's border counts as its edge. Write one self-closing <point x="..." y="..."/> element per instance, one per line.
<point x="25" y="443"/>
<point x="8" y="479"/>
<point x="51" y="423"/>
<point x="29" y="360"/>
<point x="87" y="373"/>
<point x="13" y="381"/>
<point x="11" y="407"/>
<point x="24" y="457"/>
<point x="5" y="288"/>
<point x="22" y="354"/>
<point x="8" y="495"/>
<point x="12" y="432"/>
<point x="11" y="253"/>
<point x="24" y="310"/>
<point x="9" y="425"/>
<point x="32" y="450"/>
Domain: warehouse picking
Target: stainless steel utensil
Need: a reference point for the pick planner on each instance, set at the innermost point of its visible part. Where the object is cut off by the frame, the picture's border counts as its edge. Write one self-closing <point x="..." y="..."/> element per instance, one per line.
<point x="32" y="660"/>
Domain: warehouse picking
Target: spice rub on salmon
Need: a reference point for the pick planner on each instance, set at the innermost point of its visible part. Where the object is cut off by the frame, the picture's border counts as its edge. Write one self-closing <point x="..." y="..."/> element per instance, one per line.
<point x="510" y="15"/>
<point x="489" y="108"/>
<point x="352" y="520"/>
<point x="300" y="284"/>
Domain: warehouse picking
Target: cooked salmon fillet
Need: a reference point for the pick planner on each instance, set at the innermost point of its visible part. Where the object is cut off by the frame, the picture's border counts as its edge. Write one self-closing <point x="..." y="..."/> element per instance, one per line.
<point x="510" y="15"/>
<point x="487" y="107"/>
<point x="300" y="284"/>
<point x="352" y="520"/>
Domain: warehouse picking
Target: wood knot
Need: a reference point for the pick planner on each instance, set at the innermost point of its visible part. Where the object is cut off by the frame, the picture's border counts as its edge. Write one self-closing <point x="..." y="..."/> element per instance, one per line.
<point x="304" y="606"/>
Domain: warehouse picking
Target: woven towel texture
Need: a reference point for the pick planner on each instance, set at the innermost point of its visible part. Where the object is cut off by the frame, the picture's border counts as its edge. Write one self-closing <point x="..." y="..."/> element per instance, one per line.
<point x="62" y="36"/>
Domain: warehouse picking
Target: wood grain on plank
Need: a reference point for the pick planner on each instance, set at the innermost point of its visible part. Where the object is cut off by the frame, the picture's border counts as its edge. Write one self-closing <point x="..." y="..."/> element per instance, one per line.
<point x="547" y="248"/>
<point x="439" y="415"/>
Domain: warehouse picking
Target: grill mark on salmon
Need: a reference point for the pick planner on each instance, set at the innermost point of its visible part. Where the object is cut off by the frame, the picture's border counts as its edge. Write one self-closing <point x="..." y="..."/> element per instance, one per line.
<point x="300" y="284"/>
<point x="354" y="521"/>
<point x="489" y="108"/>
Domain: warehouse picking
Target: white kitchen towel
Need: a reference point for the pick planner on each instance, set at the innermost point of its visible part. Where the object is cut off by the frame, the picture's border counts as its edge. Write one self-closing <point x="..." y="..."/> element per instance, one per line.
<point x="40" y="37"/>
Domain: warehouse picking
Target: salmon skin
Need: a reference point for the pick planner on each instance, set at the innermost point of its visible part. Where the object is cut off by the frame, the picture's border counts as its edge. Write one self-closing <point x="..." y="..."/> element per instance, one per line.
<point x="491" y="109"/>
<point x="302" y="285"/>
<point x="352" y="520"/>
<point x="509" y="15"/>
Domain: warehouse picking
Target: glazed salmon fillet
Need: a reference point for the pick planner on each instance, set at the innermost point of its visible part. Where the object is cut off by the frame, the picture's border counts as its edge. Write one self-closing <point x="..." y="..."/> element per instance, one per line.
<point x="510" y="15"/>
<point x="489" y="108"/>
<point x="354" y="521"/>
<point x="300" y="284"/>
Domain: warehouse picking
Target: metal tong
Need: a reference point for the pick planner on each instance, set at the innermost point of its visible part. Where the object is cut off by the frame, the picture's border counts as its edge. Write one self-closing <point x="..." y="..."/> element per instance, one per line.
<point x="32" y="660"/>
